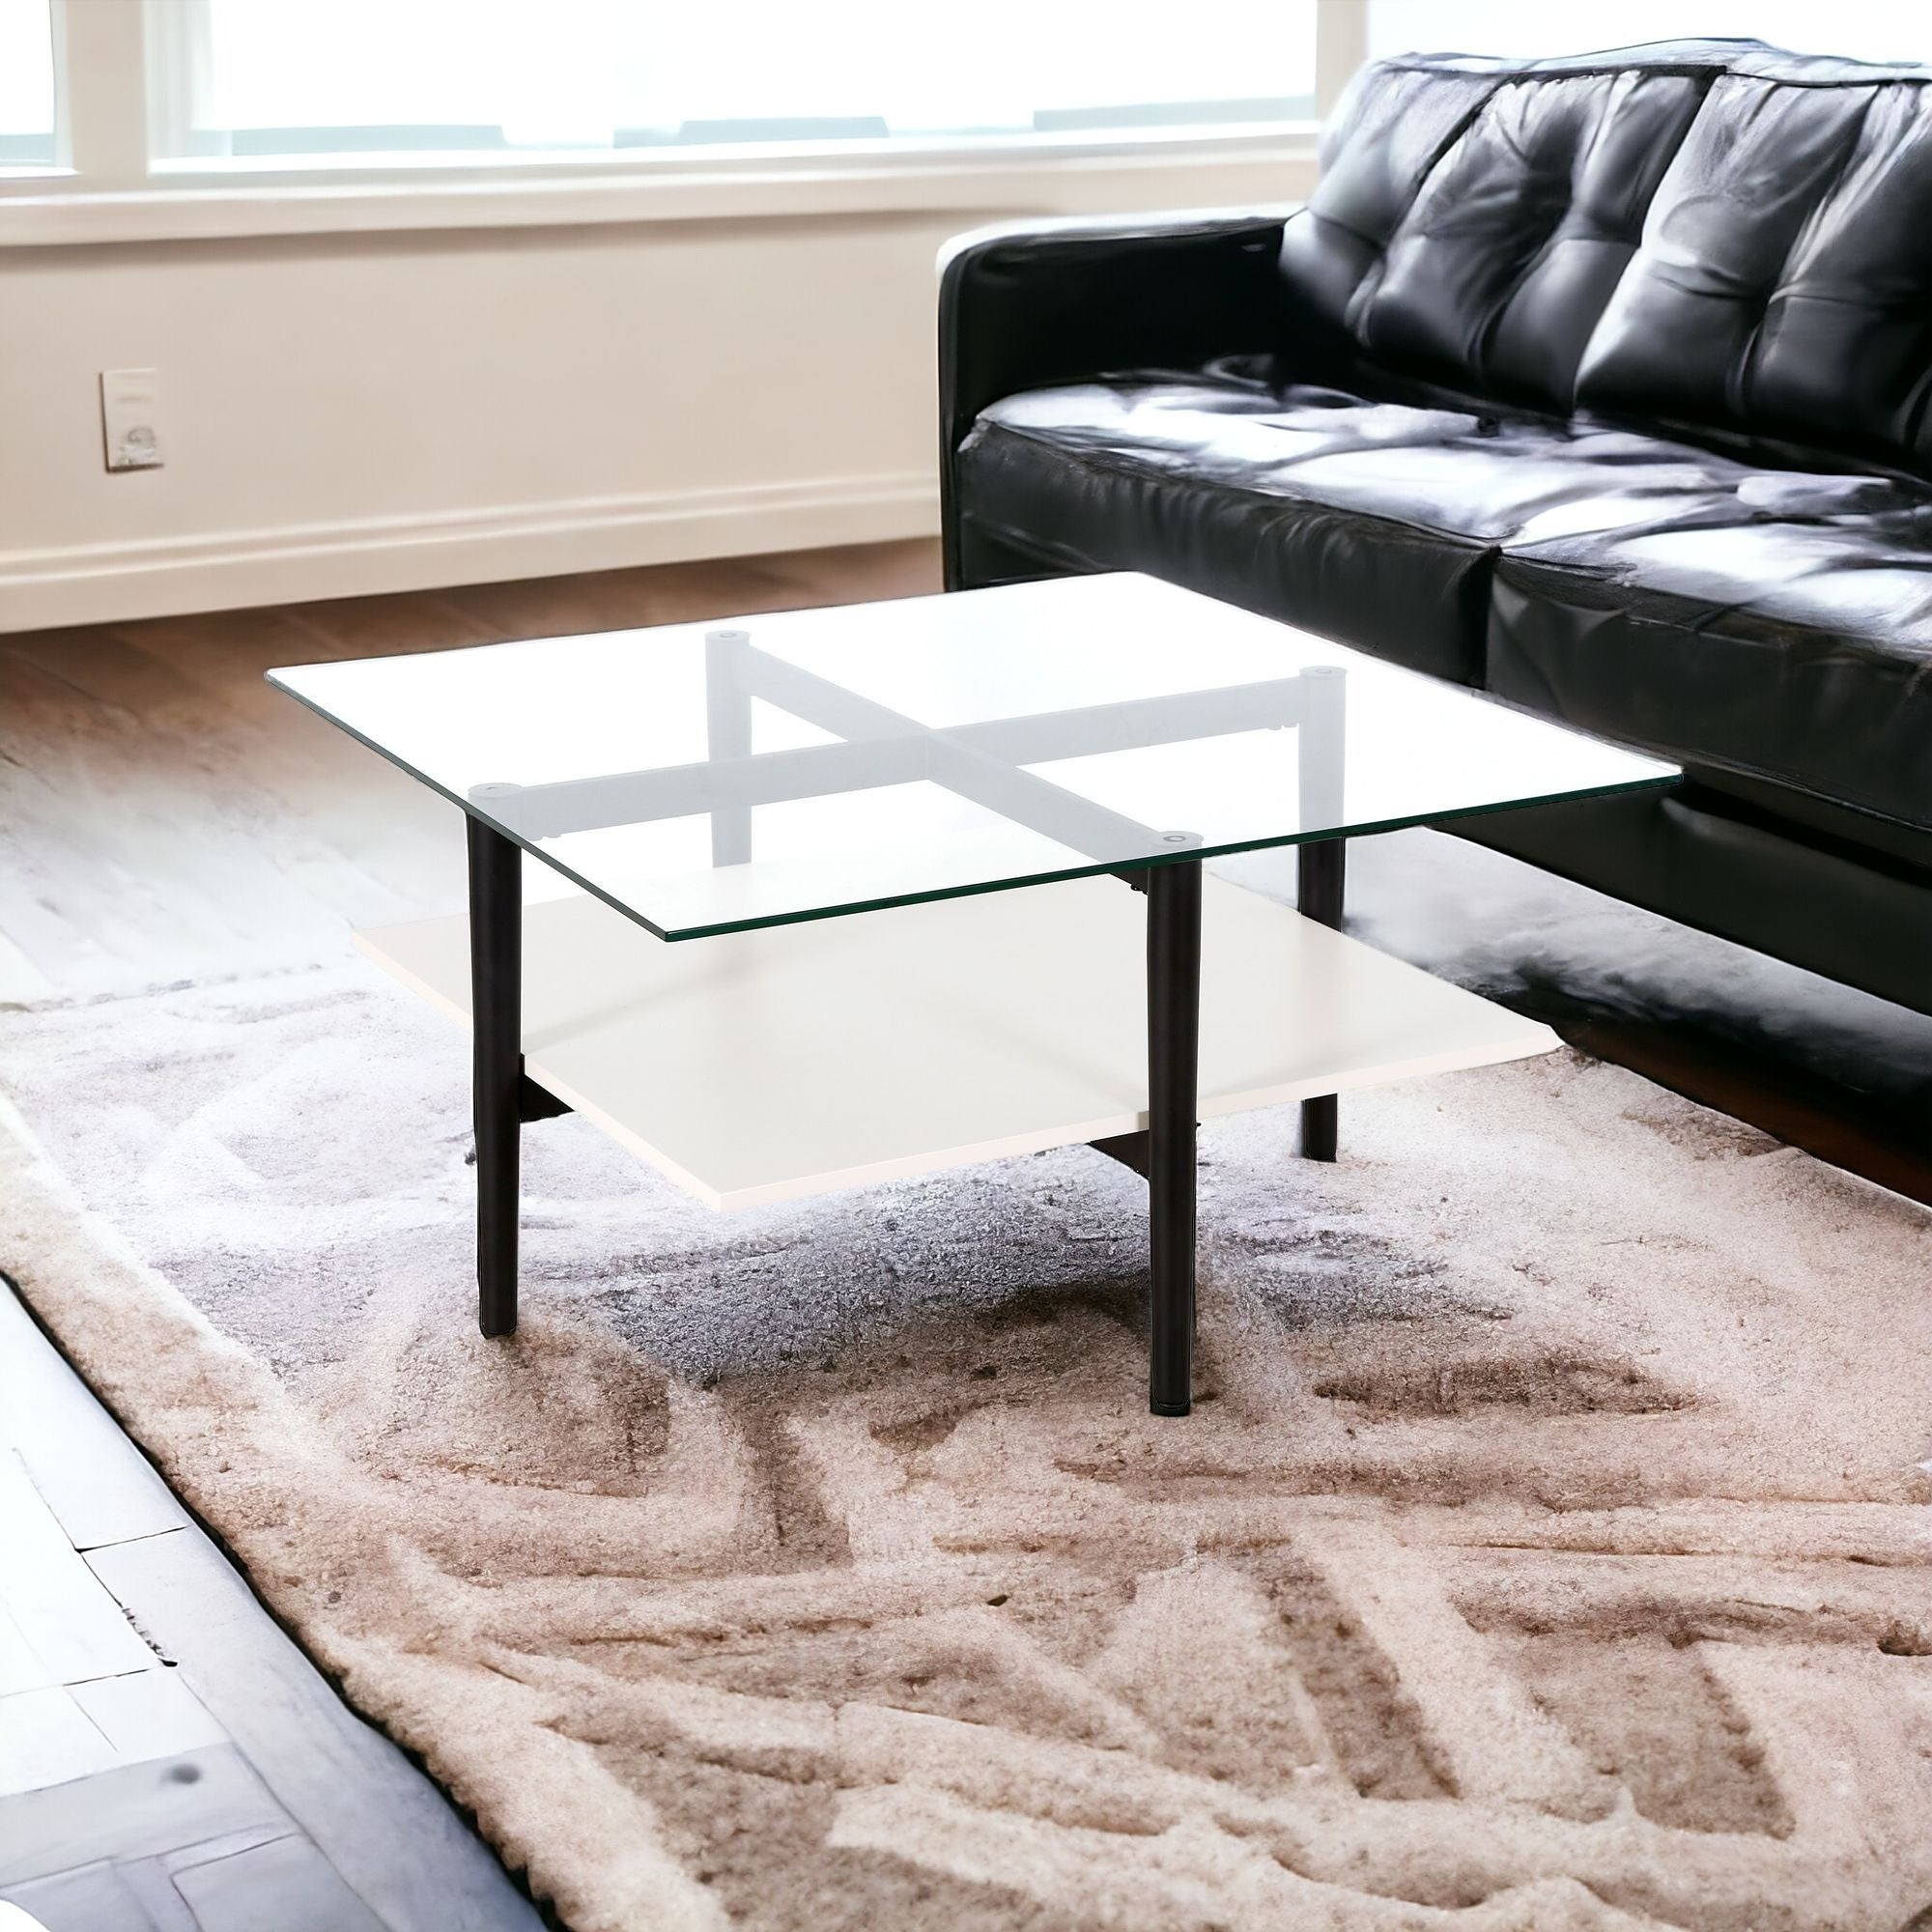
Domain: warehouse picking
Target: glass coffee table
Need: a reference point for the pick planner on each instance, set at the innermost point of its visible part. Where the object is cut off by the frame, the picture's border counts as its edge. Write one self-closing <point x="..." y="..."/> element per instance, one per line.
<point x="750" y="785"/>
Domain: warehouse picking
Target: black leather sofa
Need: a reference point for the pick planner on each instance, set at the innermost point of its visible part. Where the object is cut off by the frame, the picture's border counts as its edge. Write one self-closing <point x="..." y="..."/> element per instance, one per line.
<point x="1602" y="384"/>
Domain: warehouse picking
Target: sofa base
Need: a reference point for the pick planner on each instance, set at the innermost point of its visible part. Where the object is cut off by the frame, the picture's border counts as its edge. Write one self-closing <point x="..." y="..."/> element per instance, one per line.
<point x="1844" y="1074"/>
<point x="1708" y="861"/>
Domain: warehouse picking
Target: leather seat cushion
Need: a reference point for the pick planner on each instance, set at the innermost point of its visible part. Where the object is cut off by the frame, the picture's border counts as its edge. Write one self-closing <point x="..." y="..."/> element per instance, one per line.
<point x="1218" y="484"/>
<point x="1374" y="522"/>
<point x="1795" y="649"/>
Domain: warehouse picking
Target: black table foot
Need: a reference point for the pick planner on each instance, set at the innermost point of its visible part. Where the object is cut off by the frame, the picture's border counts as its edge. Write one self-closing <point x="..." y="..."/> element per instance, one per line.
<point x="1174" y="1032"/>
<point x="1317" y="895"/>
<point x="1320" y="1127"/>
<point x="496" y="1080"/>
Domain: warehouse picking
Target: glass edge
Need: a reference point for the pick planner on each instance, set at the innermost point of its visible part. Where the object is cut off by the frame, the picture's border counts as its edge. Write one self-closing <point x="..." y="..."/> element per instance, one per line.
<point x="974" y="888"/>
<point x="1101" y="868"/>
<point x="469" y="811"/>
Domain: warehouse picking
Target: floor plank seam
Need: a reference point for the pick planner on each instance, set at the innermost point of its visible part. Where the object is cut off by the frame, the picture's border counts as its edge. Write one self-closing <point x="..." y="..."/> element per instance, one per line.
<point x="121" y="1542"/>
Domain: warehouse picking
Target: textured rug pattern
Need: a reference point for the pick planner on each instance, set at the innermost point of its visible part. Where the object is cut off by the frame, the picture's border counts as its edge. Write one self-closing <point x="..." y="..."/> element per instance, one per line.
<point x="1548" y="1549"/>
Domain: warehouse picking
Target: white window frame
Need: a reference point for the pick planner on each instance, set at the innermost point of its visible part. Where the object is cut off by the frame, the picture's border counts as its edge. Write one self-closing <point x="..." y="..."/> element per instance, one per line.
<point x="105" y="185"/>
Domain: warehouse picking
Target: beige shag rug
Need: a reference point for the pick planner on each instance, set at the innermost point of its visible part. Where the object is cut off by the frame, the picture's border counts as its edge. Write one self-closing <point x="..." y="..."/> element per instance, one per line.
<point x="1550" y="1550"/>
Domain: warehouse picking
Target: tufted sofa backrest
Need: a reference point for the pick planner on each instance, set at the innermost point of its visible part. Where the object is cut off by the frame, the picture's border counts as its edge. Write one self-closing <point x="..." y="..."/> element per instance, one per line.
<point x="1706" y="236"/>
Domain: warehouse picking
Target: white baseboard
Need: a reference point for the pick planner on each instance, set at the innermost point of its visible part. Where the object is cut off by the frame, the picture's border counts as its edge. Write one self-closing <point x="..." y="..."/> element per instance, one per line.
<point x="93" y="583"/>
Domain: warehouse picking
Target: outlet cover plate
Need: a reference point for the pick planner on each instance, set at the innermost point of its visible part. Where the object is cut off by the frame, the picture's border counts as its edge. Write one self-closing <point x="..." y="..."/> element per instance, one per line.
<point x="130" y="418"/>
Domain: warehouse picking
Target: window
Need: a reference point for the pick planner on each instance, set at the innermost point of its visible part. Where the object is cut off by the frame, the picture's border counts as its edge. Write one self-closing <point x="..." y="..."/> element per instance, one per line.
<point x="1884" y="30"/>
<point x="382" y="80"/>
<point x="26" y="84"/>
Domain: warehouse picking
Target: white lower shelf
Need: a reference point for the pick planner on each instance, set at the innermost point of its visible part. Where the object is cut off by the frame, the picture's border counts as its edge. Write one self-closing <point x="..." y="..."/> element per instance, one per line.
<point x="764" y="1066"/>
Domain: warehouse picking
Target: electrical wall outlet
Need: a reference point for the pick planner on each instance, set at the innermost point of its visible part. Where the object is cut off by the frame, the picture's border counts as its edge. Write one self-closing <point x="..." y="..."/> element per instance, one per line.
<point x="130" y="418"/>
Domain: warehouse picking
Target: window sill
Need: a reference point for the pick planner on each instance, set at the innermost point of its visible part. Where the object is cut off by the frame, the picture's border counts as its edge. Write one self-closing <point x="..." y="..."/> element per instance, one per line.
<point x="189" y="202"/>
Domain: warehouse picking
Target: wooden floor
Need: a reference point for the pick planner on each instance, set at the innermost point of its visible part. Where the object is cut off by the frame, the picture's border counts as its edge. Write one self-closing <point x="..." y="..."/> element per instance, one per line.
<point x="169" y="1761"/>
<point x="169" y="816"/>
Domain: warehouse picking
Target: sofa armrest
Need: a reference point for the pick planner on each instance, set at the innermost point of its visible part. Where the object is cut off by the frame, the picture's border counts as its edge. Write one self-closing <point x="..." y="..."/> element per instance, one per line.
<point x="1024" y="305"/>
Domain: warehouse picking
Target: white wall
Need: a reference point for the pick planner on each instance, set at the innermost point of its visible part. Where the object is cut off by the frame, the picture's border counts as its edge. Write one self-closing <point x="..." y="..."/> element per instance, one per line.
<point x="354" y="413"/>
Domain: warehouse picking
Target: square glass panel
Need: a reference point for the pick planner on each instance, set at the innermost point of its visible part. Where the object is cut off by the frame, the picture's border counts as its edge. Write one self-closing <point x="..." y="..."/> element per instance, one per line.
<point x="713" y="777"/>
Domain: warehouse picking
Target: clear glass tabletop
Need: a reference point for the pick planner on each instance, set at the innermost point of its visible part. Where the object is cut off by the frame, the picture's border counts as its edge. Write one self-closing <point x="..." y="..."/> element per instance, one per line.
<point x="711" y="778"/>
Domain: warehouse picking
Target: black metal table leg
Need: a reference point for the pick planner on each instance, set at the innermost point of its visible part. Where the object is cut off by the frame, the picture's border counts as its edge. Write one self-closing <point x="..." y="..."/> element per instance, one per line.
<point x="1174" y="1038"/>
<point x="497" y="1010"/>
<point x="1319" y="877"/>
